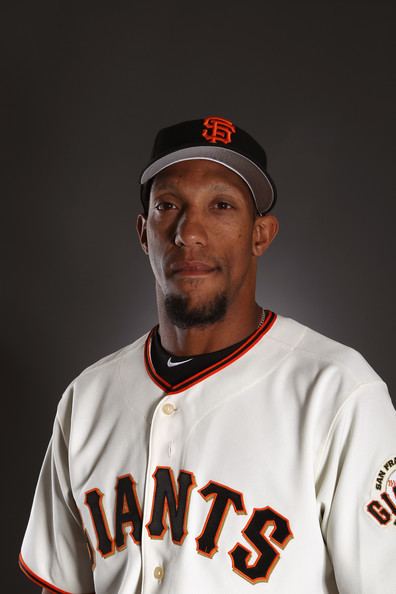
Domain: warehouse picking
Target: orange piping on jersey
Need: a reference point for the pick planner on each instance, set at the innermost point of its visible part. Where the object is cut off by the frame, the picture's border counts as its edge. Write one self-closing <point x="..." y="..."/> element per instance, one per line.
<point x="157" y="379"/>
<point x="253" y="339"/>
<point x="37" y="579"/>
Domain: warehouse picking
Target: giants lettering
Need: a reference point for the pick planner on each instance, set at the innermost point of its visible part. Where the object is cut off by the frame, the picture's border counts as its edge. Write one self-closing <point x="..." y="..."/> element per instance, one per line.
<point x="167" y="501"/>
<point x="105" y="543"/>
<point x="268" y="556"/>
<point x="170" y="505"/>
<point x="380" y="513"/>
<point x="222" y="497"/>
<point x="127" y="511"/>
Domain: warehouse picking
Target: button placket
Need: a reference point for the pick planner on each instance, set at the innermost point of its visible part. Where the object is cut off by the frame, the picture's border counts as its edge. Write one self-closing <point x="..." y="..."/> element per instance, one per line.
<point x="166" y="430"/>
<point x="169" y="409"/>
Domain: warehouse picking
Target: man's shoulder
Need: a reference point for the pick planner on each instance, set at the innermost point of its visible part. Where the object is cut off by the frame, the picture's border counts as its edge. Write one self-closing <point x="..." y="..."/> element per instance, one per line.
<point x="312" y="347"/>
<point x="130" y="352"/>
<point x="94" y="383"/>
<point x="106" y="368"/>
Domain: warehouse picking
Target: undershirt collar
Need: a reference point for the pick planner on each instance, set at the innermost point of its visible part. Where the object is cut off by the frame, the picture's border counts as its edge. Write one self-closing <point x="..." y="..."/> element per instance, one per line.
<point x="175" y="369"/>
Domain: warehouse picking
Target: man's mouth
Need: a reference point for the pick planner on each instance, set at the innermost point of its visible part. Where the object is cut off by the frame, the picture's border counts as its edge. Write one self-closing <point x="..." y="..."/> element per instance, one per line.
<point x="191" y="268"/>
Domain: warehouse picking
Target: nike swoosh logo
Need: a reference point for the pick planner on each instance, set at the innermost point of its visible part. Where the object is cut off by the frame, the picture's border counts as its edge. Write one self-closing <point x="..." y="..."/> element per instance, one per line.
<point x="171" y="363"/>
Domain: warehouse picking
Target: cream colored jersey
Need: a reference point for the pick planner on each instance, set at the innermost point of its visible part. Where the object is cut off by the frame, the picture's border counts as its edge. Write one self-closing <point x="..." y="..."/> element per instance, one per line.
<point x="272" y="472"/>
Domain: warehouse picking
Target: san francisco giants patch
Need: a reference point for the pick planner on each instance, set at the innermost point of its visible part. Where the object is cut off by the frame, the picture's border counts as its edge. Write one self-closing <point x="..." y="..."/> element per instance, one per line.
<point x="382" y="506"/>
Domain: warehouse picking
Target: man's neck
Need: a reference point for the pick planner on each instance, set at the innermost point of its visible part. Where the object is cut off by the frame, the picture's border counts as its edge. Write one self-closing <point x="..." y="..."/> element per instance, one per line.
<point x="234" y="327"/>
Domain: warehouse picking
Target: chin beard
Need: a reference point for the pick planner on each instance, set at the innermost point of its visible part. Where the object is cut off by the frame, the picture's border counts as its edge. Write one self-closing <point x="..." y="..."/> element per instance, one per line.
<point x="179" y="313"/>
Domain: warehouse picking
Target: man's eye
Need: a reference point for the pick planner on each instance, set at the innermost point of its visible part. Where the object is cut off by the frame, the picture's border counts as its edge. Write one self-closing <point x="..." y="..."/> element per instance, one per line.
<point x="222" y="205"/>
<point x="164" y="206"/>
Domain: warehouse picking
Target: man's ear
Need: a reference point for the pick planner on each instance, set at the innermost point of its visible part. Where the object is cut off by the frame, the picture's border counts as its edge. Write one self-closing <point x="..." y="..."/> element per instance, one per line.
<point x="141" y="228"/>
<point x="265" y="230"/>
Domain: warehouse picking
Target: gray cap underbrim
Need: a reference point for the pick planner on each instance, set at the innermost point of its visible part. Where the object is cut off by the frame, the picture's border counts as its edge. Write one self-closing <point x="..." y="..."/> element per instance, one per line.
<point x="258" y="183"/>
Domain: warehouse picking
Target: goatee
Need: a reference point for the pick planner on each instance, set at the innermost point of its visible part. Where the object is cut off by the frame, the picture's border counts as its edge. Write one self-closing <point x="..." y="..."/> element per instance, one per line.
<point x="182" y="316"/>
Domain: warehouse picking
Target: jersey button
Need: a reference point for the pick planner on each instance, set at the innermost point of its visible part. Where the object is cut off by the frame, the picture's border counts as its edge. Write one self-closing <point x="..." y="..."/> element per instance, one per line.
<point x="159" y="573"/>
<point x="168" y="409"/>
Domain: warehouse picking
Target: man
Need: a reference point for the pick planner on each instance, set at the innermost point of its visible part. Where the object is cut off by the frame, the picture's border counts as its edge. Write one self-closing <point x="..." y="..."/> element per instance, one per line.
<point x="230" y="449"/>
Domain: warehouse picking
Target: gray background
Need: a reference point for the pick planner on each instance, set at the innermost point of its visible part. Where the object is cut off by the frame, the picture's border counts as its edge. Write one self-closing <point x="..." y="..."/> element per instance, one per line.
<point x="87" y="85"/>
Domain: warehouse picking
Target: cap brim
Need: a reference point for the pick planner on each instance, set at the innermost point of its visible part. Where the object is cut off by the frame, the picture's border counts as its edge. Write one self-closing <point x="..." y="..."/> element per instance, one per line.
<point x="259" y="184"/>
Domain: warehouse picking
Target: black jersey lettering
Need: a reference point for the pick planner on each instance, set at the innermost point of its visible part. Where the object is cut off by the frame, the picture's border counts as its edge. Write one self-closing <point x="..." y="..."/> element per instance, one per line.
<point x="105" y="543"/>
<point x="127" y="511"/>
<point x="263" y="545"/>
<point x="168" y="501"/>
<point x="222" y="498"/>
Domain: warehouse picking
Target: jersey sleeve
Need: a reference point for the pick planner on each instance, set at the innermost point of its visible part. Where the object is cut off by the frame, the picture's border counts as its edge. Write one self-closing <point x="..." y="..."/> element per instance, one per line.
<point x="54" y="551"/>
<point x="356" y="491"/>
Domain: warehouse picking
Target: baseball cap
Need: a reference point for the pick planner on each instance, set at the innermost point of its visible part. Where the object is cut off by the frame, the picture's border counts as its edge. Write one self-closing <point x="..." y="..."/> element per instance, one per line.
<point x="216" y="139"/>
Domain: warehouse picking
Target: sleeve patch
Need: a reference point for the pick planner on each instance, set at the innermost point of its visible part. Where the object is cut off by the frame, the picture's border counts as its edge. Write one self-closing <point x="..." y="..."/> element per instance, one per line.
<point x="382" y="505"/>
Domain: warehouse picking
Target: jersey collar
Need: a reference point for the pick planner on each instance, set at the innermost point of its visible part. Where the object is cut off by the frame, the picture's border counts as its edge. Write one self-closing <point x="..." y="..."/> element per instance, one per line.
<point x="250" y="341"/>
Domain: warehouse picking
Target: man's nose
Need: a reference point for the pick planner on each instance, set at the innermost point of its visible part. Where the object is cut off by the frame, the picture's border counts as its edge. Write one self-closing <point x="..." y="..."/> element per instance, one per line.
<point x="190" y="230"/>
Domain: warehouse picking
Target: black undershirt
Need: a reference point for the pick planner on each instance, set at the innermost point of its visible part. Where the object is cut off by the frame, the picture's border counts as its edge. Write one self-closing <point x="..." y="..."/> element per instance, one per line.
<point x="174" y="374"/>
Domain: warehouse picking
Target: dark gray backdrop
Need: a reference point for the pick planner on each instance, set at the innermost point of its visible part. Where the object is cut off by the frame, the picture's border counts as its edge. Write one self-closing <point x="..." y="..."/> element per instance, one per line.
<point x="87" y="85"/>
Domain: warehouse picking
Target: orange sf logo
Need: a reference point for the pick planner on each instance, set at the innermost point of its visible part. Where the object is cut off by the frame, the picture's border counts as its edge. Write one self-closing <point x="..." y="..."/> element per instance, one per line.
<point x="218" y="129"/>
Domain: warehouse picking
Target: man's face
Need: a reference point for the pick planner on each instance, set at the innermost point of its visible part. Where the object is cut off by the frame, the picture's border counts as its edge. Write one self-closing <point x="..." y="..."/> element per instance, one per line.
<point x="199" y="236"/>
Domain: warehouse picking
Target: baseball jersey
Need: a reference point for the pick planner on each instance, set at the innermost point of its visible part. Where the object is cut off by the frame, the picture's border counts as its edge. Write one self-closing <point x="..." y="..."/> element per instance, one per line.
<point x="271" y="471"/>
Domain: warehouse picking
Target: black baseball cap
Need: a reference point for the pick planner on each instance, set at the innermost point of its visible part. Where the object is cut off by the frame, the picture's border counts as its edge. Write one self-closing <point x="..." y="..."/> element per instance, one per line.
<point x="216" y="139"/>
